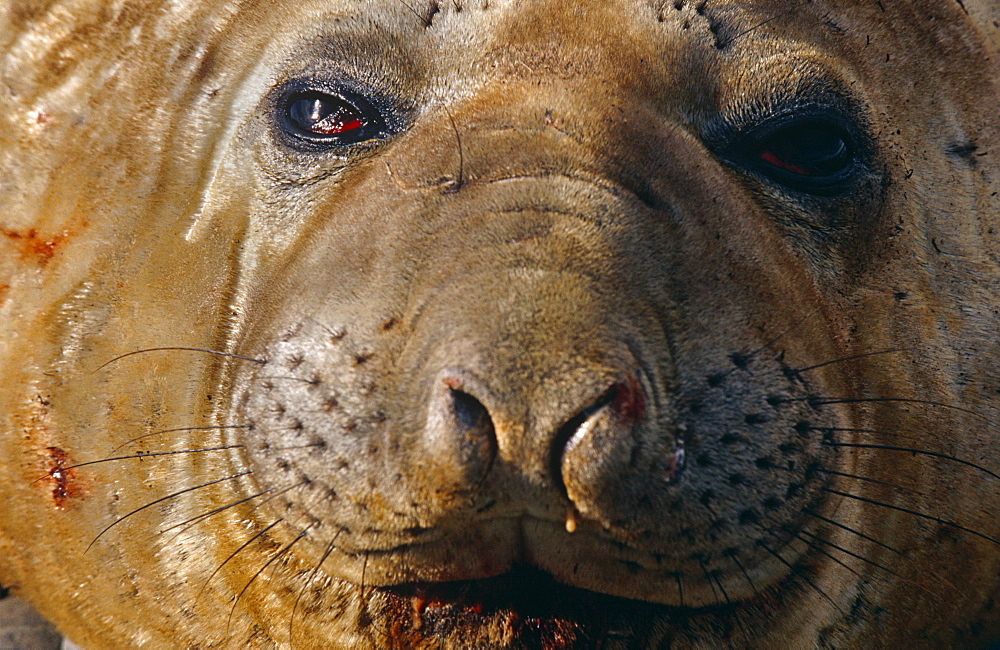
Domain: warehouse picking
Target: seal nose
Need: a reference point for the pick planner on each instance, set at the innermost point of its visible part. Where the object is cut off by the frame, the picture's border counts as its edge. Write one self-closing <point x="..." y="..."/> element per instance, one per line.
<point x="589" y="454"/>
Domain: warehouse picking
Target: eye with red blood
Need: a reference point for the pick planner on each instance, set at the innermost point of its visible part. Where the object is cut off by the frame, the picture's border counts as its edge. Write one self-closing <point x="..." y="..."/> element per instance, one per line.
<point x="814" y="149"/>
<point x="321" y="114"/>
<point x="322" y="118"/>
<point x="812" y="154"/>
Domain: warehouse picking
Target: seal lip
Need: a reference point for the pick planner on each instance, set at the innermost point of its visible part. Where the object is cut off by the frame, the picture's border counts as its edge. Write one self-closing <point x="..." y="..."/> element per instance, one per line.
<point x="522" y="589"/>
<point x="535" y="610"/>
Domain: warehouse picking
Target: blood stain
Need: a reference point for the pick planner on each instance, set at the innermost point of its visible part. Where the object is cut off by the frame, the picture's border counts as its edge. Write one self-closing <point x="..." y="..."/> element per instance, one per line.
<point x="61" y="476"/>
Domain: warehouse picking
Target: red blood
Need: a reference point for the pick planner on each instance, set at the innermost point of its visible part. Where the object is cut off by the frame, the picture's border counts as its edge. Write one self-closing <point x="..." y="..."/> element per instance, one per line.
<point x="630" y="402"/>
<point x="771" y="159"/>
<point x="60" y="476"/>
<point x="338" y="127"/>
<point x="35" y="246"/>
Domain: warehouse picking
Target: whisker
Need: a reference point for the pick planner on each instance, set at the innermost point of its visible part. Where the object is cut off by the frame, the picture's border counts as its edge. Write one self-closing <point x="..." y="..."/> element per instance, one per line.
<point x="765" y="346"/>
<point x="134" y="456"/>
<point x="762" y="23"/>
<point x="823" y="470"/>
<point x="800" y="573"/>
<point x="161" y="500"/>
<point x="819" y="549"/>
<point x="290" y="378"/>
<point x="176" y="348"/>
<point x="791" y="328"/>
<point x="915" y="513"/>
<point x="424" y="20"/>
<point x="711" y="582"/>
<point x="867" y="479"/>
<point x="851" y="358"/>
<point x="460" y="178"/>
<point x="876" y="564"/>
<point x="274" y="557"/>
<point x="232" y="504"/>
<point x="242" y="546"/>
<point x="216" y="511"/>
<point x="851" y="530"/>
<point x="873" y="432"/>
<point x="335" y="333"/>
<point x="746" y="575"/>
<point x="822" y="401"/>
<point x="305" y="446"/>
<point x="156" y="433"/>
<point x="852" y="554"/>
<point x="910" y="450"/>
<point x="312" y="576"/>
<point x="364" y="569"/>
<point x="714" y="577"/>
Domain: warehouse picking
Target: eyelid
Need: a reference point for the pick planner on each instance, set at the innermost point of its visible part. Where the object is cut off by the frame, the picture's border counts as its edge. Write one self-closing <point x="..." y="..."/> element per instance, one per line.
<point x="774" y="122"/>
<point x="808" y="87"/>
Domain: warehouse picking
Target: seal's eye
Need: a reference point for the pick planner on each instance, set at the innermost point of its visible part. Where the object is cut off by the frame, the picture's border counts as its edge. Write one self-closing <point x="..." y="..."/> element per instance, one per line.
<point x="323" y="118"/>
<point x="323" y="115"/>
<point x="812" y="154"/>
<point x="809" y="149"/>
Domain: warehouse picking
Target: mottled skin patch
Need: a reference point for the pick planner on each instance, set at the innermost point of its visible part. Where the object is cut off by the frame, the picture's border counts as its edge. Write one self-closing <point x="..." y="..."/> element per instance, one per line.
<point x="557" y="356"/>
<point x="32" y="247"/>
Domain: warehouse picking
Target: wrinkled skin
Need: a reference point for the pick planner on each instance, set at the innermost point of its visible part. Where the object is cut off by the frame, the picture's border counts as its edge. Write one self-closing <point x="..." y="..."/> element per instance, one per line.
<point x="545" y="360"/>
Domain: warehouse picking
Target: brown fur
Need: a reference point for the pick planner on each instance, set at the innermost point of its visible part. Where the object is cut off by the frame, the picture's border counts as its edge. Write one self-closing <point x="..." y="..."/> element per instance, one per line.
<point x="545" y="340"/>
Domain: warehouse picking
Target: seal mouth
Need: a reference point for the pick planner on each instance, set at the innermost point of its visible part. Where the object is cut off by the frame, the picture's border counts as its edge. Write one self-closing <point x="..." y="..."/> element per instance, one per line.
<point x="529" y="608"/>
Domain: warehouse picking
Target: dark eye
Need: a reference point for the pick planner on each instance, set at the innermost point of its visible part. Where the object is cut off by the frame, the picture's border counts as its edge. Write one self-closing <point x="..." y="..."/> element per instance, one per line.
<point x="811" y="154"/>
<point x="322" y="118"/>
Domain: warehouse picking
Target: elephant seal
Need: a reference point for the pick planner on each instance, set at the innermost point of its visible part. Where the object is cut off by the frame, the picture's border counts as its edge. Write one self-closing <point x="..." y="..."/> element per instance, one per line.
<point x="487" y="323"/>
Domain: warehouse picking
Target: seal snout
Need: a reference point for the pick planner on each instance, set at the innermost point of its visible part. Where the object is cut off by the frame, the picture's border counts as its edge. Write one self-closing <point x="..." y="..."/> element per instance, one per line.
<point x="545" y="431"/>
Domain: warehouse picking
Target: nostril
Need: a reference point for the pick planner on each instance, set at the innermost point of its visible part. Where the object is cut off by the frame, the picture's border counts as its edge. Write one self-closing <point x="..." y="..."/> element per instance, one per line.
<point x="469" y="413"/>
<point x="617" y="463"/>
<point x="460" y="436"/>
<point x="628" y="405"/>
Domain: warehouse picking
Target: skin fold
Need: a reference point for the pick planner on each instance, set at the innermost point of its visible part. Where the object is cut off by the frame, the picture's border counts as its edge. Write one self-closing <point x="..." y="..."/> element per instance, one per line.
<point x="497" y="323"/>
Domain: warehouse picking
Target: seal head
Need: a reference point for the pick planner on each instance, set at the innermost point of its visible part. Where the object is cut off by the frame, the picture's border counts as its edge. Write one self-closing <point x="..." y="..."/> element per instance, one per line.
<point x="503" y="324"/>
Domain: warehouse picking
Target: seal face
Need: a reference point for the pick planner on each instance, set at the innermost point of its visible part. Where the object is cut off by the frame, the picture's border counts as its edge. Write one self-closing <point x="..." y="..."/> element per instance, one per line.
<point x="502" y="324"/>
